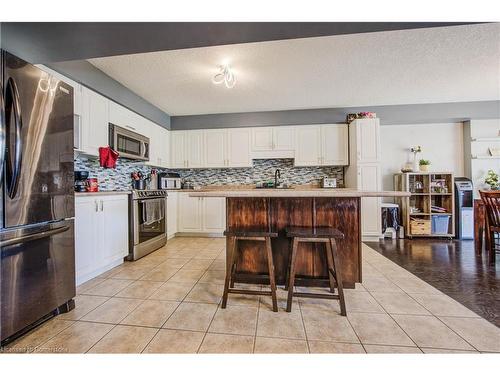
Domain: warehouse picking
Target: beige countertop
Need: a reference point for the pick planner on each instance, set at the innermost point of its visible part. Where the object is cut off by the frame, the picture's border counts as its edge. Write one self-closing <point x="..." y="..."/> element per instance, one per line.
<point x="297" y="192"/>
<point x="106" y="192"/>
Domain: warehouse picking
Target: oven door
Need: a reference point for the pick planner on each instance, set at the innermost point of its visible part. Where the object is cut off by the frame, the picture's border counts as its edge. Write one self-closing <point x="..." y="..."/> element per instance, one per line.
<point x="150" y="220"/>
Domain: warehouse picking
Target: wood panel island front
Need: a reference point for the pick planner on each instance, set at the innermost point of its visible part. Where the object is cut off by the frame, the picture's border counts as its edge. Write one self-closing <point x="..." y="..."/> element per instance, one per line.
<point x="276" y="209"/>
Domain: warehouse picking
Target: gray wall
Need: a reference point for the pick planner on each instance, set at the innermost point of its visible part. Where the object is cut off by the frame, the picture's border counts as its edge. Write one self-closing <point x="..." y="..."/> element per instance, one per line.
<point x="82" y="71"/>
<point x="393" y="114"/>
<point x="88" y="75"/>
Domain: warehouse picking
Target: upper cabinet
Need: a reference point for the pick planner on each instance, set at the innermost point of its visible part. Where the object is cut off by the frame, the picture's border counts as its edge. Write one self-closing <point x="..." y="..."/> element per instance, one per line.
<point x="94" y="122"/>
<point x="194" y="149"/>
<point x="365" y="141"/>
<point x="227" y="148"/>
<point x="238" y="148"/>
<point x="318" y="145"/>
<point x="273" y="142"/>
<point x="178" y="149"/>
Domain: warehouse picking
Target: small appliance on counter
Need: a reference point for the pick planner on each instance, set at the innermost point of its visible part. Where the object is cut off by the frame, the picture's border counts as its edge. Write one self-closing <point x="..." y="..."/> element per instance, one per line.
<point x="81" y="181"/>
<point x="464" y="208"/>
<point x="93" y="185"/>
<point x="169" y="181"/>
<point x="328" y="182"/>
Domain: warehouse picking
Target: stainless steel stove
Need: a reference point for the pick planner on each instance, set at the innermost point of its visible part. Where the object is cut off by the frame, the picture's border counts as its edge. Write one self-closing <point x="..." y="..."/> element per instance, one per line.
<point x="148" y="222"/>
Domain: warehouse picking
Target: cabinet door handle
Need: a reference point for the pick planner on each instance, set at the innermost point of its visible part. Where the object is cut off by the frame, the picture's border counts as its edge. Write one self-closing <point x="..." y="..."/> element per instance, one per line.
<point x="102" y="205"/>
<point x="96" y="205"/>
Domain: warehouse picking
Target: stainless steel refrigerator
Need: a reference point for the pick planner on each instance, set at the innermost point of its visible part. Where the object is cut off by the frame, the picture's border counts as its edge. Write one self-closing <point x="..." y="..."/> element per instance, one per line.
<point x="37" y="273"/>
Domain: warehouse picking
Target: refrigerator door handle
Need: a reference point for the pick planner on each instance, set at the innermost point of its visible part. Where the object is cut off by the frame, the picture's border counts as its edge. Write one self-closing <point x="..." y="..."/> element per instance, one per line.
<point x="13" y="97"/>
<point x="33" y="237"/>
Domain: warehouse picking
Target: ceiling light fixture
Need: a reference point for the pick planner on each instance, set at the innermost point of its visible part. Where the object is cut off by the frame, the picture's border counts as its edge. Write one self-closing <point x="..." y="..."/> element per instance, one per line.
<point x="225" y="75"/>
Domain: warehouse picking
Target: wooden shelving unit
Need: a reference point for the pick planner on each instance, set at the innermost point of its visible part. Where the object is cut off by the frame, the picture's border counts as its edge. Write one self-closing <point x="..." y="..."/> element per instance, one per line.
<point x="428" y="191"/>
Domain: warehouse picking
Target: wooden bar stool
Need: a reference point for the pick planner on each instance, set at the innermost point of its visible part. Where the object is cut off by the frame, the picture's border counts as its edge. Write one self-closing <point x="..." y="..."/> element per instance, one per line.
<point x="234" y="237"/>
<point x="325" y="235"/>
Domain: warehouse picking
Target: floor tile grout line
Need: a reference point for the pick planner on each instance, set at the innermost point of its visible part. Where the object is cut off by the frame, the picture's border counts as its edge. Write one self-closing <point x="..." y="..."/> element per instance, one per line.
<point x="395" y="321"/>
<point x="303" y="325"/>
<point x="432" y="314"/>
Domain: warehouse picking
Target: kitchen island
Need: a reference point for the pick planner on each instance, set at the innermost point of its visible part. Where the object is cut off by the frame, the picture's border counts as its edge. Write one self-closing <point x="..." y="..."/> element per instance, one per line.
<point x="276" y="209"/>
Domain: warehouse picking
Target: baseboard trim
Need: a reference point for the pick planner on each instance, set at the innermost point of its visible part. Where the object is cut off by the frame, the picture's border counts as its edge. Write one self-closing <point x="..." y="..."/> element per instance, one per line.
<point x="198" y="234"/>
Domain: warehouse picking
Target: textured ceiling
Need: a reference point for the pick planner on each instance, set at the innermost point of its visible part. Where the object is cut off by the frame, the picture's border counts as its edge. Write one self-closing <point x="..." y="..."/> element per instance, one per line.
<point x="447" y="64"/>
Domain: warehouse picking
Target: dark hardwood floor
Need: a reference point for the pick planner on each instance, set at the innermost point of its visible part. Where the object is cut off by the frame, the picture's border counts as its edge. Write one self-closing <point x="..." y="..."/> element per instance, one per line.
<point x="452" y="267"/>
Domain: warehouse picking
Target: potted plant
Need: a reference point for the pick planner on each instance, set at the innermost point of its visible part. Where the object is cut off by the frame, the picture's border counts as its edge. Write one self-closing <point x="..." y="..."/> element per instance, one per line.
<point x="415" y="150"/>
<point x="492" y="179"/>
<point x="424" y="165"/>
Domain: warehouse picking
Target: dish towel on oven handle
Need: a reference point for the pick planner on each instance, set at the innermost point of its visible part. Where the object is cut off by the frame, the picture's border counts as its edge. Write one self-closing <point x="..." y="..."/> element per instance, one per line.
<point x="152" y="212"/>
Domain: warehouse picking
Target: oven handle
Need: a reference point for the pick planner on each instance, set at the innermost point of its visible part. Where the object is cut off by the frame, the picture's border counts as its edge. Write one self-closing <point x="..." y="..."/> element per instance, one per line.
<point x="150" y="199"/>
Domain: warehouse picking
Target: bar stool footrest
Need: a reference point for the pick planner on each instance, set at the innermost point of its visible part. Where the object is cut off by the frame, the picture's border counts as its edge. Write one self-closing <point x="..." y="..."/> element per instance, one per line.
<point x="250" y="291"/>
<point x="316" y="295"/>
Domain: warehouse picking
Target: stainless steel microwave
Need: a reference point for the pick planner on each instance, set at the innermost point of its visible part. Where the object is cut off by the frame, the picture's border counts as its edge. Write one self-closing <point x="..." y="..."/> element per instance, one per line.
<point x="129" y="144"/>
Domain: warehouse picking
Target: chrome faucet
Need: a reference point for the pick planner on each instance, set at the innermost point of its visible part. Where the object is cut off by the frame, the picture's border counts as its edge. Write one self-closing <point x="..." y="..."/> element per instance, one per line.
<point x="277" y="176"/>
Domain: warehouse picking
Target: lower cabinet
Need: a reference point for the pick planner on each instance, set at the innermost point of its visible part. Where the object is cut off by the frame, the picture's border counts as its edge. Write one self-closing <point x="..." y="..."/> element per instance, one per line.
<point x="172" y="204"/>
<point x="201" y="215"/>
<point x="101" y="234"/>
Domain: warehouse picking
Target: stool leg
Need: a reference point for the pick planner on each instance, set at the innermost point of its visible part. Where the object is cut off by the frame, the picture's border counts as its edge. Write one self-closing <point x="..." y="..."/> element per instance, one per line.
<point x="329" y="262"/>
<point x="229" y="270"/>
<point x="234" y="261"/>
<point x="272" y="278"/>
<point x="289" y="265"/>
<point x="338" y="276"/>
<point x="291" y="277"/>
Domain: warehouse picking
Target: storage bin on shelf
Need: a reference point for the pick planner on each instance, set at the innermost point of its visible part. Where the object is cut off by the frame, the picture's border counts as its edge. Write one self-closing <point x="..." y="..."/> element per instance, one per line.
<point x="440" y="224"/>
<point x="420" y="226"/>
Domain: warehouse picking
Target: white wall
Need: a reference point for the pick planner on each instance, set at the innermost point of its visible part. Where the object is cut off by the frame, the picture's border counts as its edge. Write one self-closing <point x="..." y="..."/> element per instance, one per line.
<point x="442" y="144"/>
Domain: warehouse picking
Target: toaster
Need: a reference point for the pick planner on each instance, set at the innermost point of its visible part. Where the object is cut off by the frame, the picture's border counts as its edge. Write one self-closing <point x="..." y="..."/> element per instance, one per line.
<point x="169" y="181"/>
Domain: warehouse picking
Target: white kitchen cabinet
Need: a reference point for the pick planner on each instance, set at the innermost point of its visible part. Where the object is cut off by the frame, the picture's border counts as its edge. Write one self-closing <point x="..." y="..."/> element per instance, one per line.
<point x="335" y="144"/>
<point x="201" y="215"/>
<point x="365" y="141"/>
<point x="178" y="149"/>
<point x="262" y="139"/>
<point x="172" y="205"/>
<point x="158" y="145"/>
<point x="283" y="138"/>
<point x="364" y="171"/>
<point x="225" y="148"/>
<point x="94" y="122"/>
<point x="318" y="145"/>
<point x="277" y="138"/>
<point x="215" y="148"/>
<point x="214" y="214"/>
<point x="238" y="148"/>
<point x="101" y="234"/>
<point x="308" y="145"/>
<point x="194" y="149"/>
<point x="190" y="215"/>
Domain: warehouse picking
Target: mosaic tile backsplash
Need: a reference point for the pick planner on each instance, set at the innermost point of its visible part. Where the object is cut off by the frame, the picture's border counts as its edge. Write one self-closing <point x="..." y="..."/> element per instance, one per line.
<point x="262" y="170"/>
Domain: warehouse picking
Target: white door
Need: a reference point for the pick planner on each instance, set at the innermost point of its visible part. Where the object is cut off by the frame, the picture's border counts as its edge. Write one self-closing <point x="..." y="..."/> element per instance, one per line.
<point x="308" y="145"/>
<point x="262" y="139"/>
<point x="335" y="142"/>
<point x="178" y="149"/>
<point x="368" y="140"/>
<point x="194" y="149"/>
<point x="215" y="148"/>
<point x="283" y="138"/>
<point x="238" y="148"/>
<point x="86" y="237"/>
<point x="369" y="179"/>
<point x="114" y="212"/>
<point x="94" y="122"/>
<point x="190" y="219"/>
<point x="214" y="214"/>
<point x="172" y="204"/>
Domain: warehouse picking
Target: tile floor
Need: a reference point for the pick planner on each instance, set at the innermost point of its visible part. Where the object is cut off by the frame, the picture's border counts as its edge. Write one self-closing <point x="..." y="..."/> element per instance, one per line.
<point x="168" y="302"/>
